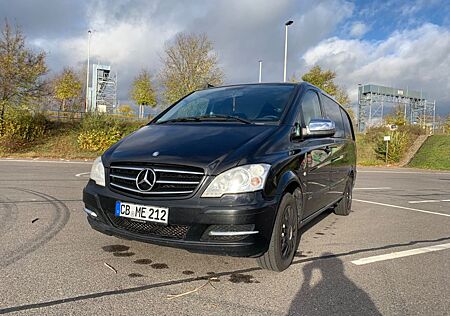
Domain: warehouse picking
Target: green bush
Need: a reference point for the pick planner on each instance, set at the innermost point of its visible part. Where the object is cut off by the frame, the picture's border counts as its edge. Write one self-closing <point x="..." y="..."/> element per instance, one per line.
<point x="21" y="127"/>
<point x="372" y="147"/>
<point x="397" y="146"/>
<point x="99" y="140"/>
<point x="373" y="134"/>
<point x="97" y="122"/>
<point x="100" y="131"/>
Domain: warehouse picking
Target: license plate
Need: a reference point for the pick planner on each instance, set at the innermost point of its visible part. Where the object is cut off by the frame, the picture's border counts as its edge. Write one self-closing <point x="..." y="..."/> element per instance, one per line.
<point x="142" y="212"/>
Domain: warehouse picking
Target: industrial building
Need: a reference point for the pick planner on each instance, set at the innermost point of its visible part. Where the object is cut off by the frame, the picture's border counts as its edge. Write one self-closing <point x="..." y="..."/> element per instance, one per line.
<point x="102" y="95"/>
<point x="375" y="102"/>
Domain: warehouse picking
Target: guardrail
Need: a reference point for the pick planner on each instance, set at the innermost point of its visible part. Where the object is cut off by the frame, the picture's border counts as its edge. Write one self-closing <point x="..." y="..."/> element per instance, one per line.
<point x="78" y="115"/>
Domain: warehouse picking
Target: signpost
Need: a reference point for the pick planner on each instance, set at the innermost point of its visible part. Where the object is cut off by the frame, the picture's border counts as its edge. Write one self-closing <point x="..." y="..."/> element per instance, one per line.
<point x="387" y="139"/>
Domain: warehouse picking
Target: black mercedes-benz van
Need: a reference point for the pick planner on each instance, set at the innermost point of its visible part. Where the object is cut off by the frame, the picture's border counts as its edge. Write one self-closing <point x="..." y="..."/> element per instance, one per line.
<point x="234" y="170"/>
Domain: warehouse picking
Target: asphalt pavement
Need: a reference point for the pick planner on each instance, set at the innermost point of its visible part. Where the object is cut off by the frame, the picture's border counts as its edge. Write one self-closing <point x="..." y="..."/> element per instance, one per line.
<point x="390" y="256"/>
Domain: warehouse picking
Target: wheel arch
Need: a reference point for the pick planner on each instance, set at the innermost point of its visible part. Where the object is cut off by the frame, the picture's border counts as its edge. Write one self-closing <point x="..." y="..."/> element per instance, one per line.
<point x="287" y="183"/>
<point x="290" y="183"/>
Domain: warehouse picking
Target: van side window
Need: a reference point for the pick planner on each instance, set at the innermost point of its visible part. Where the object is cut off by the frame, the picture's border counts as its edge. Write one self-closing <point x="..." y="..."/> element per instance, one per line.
<point x="333" y="112"/>
<point x="311" y="107"/>
<point x="347" y="125"/>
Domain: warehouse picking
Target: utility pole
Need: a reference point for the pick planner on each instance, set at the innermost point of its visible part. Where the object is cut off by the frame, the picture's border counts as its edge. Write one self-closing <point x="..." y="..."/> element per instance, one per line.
<point x="387" y="139"/>
<point x="359" y="120"/>
<point x="87" y="72"/>
<point x="434" y="116"/>
<point x="260" y="71"/>
<point x="285" y="48"/>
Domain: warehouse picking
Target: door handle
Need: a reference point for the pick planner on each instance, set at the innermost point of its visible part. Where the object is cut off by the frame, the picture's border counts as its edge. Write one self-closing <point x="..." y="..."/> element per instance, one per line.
<point x="294" y="151"/>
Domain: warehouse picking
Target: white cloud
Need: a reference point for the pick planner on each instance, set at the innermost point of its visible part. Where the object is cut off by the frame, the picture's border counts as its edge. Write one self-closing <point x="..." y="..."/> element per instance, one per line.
<point x="128" y="43"/>
<point x="417" y="58"/>
<point x="130" y="36"/>
<point x="358" y="29"/>
<point x="246" y="31"/>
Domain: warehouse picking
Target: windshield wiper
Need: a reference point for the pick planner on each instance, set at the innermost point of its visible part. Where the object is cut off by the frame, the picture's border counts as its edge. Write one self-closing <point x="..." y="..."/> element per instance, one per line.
<point x="180" y="119"/>
<point x="224" y="117"/>
<point x="207" y="118"/>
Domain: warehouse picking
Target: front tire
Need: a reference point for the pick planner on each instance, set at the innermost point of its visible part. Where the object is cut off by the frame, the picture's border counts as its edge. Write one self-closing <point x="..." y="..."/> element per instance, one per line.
<point x="344" y="206"/>
<point x="284" y="240"/>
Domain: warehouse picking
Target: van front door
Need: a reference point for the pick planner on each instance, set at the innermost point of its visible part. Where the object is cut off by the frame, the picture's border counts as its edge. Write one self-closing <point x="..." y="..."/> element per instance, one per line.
<point x="317" y="165"/>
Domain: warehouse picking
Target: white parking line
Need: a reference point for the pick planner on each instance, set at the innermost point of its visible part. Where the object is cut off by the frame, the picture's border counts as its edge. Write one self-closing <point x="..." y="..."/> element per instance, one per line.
<point x="46" y="161"/>
<point x="400" y="254"/>
<point x="402" y="207"/>
<point x="427" y="201"/>
<point x="380" y="188"/>
<point x="405" y="172"/>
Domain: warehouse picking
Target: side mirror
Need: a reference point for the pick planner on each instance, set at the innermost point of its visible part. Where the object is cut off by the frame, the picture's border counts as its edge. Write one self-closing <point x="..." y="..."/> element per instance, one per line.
<point x="297" y="131"/>
<point x="320" y="128"/>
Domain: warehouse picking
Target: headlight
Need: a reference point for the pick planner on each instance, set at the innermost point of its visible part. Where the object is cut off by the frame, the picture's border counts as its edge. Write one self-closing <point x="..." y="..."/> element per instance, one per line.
<point x="248" y="178"/>
<point x="98" y="172"/>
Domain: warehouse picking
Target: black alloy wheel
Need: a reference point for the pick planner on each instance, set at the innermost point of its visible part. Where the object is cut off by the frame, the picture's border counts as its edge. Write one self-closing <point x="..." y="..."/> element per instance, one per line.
<point x="344" y="206"/>
<point x="284" y="240"/>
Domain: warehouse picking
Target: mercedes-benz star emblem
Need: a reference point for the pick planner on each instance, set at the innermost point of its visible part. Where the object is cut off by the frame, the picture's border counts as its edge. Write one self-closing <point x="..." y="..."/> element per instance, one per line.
<point x="145" y="180"/>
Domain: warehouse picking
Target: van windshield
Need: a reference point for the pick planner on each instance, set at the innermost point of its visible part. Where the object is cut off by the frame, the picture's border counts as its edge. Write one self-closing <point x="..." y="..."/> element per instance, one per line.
<point x="245" y="104"/>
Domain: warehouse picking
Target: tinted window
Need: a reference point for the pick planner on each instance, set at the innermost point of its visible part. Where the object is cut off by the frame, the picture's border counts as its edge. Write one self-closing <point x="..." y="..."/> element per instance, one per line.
<point x="333" y="112"/>
<point x="197" y="107"/>
<point x="310" y="107"/>
<point x="347" y="125"/>
<point x="258" y="103"/>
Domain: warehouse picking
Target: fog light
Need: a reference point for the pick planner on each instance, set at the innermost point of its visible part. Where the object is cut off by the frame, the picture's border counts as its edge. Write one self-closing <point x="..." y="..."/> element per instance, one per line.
<point x="229" y="232"/>
<point x="215" y="233"/>
<point x="89" y="212"/>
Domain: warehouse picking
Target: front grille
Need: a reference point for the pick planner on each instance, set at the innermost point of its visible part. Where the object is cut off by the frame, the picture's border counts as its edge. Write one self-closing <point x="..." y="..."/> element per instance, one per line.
<point x="169" y="180"/>
<point x="171" y="231"/>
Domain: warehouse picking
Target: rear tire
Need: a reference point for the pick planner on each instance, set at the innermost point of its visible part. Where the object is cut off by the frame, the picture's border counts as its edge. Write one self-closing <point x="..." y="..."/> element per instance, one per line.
<point x="344" y="206"/>
<point x="284" y="240"/>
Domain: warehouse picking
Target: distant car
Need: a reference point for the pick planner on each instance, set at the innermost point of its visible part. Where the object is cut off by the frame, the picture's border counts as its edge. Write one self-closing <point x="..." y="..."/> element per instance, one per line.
<point x="234" y="170"/>
<point x="393" y="127"/>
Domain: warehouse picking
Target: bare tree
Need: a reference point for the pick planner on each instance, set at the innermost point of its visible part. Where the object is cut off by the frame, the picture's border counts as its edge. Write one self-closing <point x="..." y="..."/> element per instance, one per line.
<point x="190" y="63"/>
<point x="21" y="71"/>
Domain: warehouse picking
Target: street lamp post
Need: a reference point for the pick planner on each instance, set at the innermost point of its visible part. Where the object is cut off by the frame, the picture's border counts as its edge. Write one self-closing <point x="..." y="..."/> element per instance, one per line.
<point x="359" y="120"/>
<point x="260" y="71"/>
<point x="87" y="71"/>
<point x="285" y="47"/>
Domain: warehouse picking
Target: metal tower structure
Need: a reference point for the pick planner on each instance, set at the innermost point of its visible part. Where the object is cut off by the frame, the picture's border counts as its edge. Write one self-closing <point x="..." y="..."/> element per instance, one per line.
<point x="104" y="89"/>
<point x="375" y="101"/>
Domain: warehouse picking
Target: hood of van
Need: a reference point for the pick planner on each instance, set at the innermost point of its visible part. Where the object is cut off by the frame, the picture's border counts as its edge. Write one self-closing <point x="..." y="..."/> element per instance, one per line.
<point x="205" y="145"/>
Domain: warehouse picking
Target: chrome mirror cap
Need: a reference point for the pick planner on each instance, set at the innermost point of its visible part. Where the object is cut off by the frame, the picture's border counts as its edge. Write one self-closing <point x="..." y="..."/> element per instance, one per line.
<point x="320" y="127"/>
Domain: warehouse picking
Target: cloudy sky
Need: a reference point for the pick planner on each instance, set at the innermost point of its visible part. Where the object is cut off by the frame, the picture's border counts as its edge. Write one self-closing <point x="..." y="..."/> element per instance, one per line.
<point x="401" y="43"/>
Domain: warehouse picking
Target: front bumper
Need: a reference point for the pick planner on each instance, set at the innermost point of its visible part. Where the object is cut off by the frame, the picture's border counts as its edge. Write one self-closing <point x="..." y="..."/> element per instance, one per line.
<point x="197" y="216"/>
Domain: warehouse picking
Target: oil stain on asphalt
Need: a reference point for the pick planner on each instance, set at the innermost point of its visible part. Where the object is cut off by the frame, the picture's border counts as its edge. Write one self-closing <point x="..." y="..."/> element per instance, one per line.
<point x="242" y="278"/>
<point x="135" y="275"/>
<point x="143" y="261"/>
<point x="187" y="272"/>
<point x="115" y="248"/>
<point x="122" y="251"/>
<point x="123" y="254"/>
<point x="160" y="266"/>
